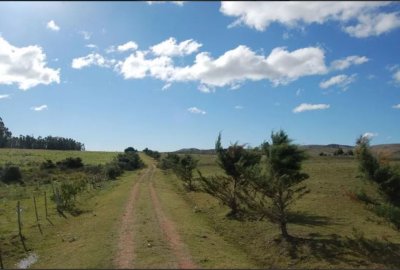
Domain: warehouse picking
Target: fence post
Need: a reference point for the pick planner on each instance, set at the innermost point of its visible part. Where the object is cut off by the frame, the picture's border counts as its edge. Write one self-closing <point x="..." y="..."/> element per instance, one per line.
<point x="20" y="226"/>
<point x="45" y="204"/>
<point x="37" y="216"/>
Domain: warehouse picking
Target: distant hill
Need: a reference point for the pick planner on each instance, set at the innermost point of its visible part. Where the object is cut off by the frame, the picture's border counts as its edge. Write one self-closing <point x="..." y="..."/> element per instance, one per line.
<point x="392" y="149"/>
<point x="315" y="149"/>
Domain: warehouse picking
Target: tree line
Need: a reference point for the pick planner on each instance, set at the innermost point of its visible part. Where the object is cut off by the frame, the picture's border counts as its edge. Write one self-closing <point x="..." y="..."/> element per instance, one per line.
<point x="265" y="183"/>
<point x="252" y="186"/>
<point x="30" y="142"/>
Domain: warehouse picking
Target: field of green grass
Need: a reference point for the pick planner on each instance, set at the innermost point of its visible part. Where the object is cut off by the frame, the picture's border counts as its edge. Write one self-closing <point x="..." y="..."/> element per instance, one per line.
<point x="28" y="157"/>
<point x="331" y="228"/>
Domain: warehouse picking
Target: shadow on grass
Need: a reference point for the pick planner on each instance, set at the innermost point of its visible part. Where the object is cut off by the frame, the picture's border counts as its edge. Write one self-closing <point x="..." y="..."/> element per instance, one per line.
<point x="307" y="219"/>
<point x="355" y="251"/>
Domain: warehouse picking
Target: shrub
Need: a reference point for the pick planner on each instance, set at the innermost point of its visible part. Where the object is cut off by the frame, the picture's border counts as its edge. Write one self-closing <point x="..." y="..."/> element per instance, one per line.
<point x="11" y="174"/>
<point x="338" y="152"/>
<point x="154" y="154"/>
<point x="94" y="169"/>
<point x="129" y="161"/>
<point x="48" y="164"/>
<point x="65" y="196"/>
<point x="130" y="149"/>
<point x="112" y="171"/>
<point x="184" y="170"/>
<point x="70" y="163"/>
<point x="390" y="212"/>
<point x="169" y="162"/>
<point x="362" y="196"/>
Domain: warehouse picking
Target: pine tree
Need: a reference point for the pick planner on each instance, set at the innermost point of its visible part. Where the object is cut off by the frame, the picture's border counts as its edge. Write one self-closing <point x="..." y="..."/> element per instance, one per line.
<point x="230" y="189"/>
<point x="281" y="185"/>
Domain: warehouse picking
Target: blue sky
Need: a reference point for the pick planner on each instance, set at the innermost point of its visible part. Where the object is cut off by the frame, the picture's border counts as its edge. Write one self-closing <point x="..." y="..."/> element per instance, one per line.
<point x="172" y="75"/>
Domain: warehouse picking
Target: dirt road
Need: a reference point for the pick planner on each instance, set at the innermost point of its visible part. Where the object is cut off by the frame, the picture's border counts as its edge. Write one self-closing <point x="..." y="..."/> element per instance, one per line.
<point x="148" y="238"/>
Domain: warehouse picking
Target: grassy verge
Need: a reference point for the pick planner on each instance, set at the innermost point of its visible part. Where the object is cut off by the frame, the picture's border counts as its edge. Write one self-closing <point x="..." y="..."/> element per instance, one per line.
<point x="208" y="249"/>
<point x="84" y="241"/>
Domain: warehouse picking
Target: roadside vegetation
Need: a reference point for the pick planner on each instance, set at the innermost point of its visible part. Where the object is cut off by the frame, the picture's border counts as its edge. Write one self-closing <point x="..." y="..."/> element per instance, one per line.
<point x="47" y="190"/>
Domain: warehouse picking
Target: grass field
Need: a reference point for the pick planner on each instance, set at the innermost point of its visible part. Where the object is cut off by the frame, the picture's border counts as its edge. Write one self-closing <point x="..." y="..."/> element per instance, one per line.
<point x="332" y="229"/>
<point x="27" y="157"/>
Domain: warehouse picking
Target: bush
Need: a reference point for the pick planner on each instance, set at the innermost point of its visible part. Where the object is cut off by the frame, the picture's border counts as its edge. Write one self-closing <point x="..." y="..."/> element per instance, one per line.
<point x="129" y="161"/>
<point x="169" y="162"/>
<point x="338" y="152"/>
<point x="11" y="174"/>
<point x="390" y="212"/>
<point x="94" y="169"/>
<point x="48" y="164"/>
<point x="362" y="196"/>
<point x="154" y="154"/>
<point x="130" y="149"/>
<point x="112" y="171"/>
<point x="70" y="163"/>
<point x="66" y="195"/>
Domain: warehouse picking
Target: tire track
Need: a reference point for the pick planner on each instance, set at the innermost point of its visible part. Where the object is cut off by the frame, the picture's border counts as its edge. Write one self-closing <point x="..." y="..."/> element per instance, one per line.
<point x="168" y="227"/>
<point x="125" y="254"/>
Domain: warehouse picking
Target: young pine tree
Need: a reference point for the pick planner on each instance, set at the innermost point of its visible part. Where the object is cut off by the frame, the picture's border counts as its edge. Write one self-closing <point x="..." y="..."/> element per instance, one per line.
<point x="184" y="170"/>
<point x="230" y="188"/>
<point x="281" y="185"/>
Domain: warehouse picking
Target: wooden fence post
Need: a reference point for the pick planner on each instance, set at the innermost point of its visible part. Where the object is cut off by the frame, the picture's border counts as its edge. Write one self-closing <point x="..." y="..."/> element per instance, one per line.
<point x="37" y="216"/>
<point x="20" y="226"/>
<point x="45" y="204"/>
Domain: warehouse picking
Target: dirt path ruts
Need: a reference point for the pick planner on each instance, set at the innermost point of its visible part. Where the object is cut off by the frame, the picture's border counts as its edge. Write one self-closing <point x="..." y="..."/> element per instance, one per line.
<point x="125" y="253"/>
<point x="168" y="227"/>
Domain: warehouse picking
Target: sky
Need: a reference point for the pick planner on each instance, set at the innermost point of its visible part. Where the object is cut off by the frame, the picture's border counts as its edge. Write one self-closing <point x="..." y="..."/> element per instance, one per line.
<point x="172" y="75"/>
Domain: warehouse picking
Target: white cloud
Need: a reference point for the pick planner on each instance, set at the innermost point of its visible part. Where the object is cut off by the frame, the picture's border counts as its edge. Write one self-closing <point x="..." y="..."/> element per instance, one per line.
<point x="196" y="110"/>
<point x="298" y="92"/>
<point x="205" y="88"/>
<point x="238" y="107"/>
<point x="25" y="66"/>
<point x="231" y="69"/>
<point x="86" y="35"/>
<point x="39" y="108"/>
<point x="52" y="26"/>
<point x="178" y="3"/>
<point x="310" y="107"/>
<point x="136" y="66"/>
<point x="91" y="46"/>
<point x="130" y="45"/>
<point x="369" y="135"/>
<point x="4" y="96"/>
<point x="166" y="86"/>
<point x="241" y="63"/>
<point x="170" y="47"/>
<point x="374" y="25"/>
<point x="344" y="63"/>
<point x="396" y="106"/>
<point x="93" y="59"/>
<point x="259" y="15"/>
<point x="341" y="80"/>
